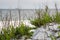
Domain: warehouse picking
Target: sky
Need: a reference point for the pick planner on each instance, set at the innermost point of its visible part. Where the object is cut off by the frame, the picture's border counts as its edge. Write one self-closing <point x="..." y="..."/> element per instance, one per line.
<point x="28" y="4"/>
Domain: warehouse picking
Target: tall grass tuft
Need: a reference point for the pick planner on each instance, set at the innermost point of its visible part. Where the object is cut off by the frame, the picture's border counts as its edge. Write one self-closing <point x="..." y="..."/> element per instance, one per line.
<point x="11" y="33"/>
<point x="42" y="19"/>
<point x="57" y="16"/>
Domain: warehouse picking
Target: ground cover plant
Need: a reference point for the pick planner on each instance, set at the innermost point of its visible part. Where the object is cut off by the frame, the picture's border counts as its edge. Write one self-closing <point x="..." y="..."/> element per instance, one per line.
<point x="11" y="33"/>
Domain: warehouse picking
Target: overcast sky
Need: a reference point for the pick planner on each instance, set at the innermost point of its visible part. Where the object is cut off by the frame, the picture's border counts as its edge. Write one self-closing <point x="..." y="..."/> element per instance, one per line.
<point x="28" y="4"/>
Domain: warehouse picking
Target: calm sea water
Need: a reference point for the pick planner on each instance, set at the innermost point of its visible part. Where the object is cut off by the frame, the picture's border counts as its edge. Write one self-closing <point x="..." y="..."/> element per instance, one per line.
<point x="24" y="13"/>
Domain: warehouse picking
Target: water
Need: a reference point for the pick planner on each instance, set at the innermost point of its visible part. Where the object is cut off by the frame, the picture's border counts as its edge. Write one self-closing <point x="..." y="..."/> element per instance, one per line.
<point x="24" y="13"/>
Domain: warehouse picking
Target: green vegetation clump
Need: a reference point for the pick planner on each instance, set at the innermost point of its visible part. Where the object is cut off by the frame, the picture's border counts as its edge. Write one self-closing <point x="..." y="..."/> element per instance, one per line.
<point x="42" y="21"/>
<point x="46" y="18"/>
<point x="52" y="37"/>
<point x="42" y="18"/>
<point x="59" y="34"/>
<point x="7" y="33"/>
<point x="15" y="33"/>
<point x="36" y="22"/>
<point x="59" y="27"/>
<point x="57" y="18"/>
